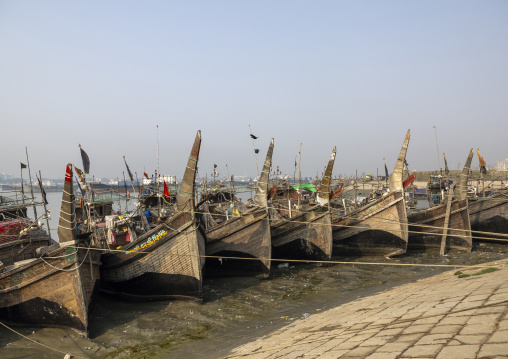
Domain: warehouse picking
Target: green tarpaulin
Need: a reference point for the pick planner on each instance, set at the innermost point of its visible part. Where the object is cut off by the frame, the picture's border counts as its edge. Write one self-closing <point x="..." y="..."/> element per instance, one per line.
<point x="306" y="187"/>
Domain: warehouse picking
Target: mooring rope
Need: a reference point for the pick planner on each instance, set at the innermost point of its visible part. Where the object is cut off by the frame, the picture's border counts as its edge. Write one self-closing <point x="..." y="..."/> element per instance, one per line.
<point x="295" y="260"/>
<point x="35" y="341"/>
<point x="389" y="221"/>
<point x="72" y="269"/>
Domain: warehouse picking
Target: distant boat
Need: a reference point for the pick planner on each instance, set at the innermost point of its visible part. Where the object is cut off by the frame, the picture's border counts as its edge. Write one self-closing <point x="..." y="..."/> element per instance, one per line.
<point x="426" y="228"/>
<point x="489" y="216"/>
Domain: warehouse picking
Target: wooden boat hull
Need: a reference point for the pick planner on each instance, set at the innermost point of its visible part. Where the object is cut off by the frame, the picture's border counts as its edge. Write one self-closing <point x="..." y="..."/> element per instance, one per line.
<point x="51" y="291"/>
<point x="489" y="214"/>
<point x="426" y="227"/>
<point x="307" y="235"/>
<point x="245" y="236"/>
<point x="21" y="249"/>
<point x="379" y="228"/>
<point x="165" y="263"/>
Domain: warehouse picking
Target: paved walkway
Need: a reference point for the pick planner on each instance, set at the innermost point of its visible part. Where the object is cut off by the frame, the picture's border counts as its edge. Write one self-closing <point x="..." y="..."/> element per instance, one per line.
<point x="442" y="317"/>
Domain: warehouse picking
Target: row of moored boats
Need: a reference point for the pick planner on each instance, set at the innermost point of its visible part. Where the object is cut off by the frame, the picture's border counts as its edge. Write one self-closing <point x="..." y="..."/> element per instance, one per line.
<point x="162" y="251"/>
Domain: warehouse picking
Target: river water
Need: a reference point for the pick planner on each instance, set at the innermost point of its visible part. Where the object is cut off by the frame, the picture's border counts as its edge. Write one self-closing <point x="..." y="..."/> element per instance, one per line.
<point x="234" y="310"/>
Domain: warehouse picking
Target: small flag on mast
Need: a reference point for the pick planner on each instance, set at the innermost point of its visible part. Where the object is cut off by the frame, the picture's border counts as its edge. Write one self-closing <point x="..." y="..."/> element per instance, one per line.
<point x="85" y="159"/>
<point x="22" y="165"/>
<point x="43" y="193"/>
<point x="146" y="175"/>
<point x="446" y="170"/>
<point x="253" y="137"/>
<point x="80" y="174"/>
<point x="166" y="190"/>
<point x="128" y="170"/>
<point x="483" y="164"/>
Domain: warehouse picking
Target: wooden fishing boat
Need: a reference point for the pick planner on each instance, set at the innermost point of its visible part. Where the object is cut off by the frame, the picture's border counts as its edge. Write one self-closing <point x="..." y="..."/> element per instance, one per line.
<point x="244" y="235"/>
<point x="379" y="227"/>
<point x="448" y="222"/>
<point x="56" y="288"/>
<point x="19" y="235"/>
<point x="307" y="234"/>
<point x="167" y="261"/>
<point x="489" y="216"/>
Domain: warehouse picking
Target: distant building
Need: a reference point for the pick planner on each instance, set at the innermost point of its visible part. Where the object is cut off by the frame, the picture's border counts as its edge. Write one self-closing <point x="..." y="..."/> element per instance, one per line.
<point x="6" y="176"/>
<point x="502" y="165"/>
<point x="167" y="178"/>
<point x="240" y="178"/>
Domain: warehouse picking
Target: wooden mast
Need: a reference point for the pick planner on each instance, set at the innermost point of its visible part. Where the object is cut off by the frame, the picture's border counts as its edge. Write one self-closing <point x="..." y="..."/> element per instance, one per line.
<point x="261" y="195"/>
<point x="323" y="196"/>
<point x="395" y="181"/>
<point x="185" y="195"/>
<point x="67" y="222"/>
<point x="461" y="189"/>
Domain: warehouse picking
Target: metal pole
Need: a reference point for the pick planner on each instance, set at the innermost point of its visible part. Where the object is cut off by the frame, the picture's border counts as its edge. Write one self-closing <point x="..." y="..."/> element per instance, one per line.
<point x="438" y="159"/>
<point x="299" y="177"/>
<point x="125" y="189"/>
<point x="157" y="177"/>
<point x="437" y="145"/>
<point x="22" y="191"/>
<point x="30" y="177"/>
<point x="354" y="187"/>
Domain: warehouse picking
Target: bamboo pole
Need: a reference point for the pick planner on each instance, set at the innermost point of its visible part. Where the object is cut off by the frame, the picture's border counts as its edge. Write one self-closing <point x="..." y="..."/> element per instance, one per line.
<point x="447" y="220"/>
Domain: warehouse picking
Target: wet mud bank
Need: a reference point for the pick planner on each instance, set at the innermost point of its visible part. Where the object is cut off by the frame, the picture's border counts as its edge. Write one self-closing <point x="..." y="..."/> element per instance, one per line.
<point x="235" y="310"/>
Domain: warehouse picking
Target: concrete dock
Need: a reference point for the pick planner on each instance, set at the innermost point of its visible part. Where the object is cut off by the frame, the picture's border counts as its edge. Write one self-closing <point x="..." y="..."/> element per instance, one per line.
<point x="444" y="317"/>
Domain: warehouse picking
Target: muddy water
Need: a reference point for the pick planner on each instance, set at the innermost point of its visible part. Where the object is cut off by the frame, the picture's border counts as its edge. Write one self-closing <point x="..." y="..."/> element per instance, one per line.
<point x="234" y="310"/>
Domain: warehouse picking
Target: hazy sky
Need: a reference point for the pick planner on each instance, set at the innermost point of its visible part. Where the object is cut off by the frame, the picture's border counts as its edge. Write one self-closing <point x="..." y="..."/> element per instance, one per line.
<point x="351" y="74"/>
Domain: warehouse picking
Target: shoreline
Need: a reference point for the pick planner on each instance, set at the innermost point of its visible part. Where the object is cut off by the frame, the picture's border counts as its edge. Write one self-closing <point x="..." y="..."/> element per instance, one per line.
<point x="223" y="346"/>
<point x="443" y="316"/>
<point x="235" y="309"/>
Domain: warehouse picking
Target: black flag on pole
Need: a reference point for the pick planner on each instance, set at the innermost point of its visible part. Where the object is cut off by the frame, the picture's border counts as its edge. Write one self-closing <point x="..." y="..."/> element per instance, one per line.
<point x="128" y="170"/>
<point x="86" y="160"/>
<point x="43" y="192"/>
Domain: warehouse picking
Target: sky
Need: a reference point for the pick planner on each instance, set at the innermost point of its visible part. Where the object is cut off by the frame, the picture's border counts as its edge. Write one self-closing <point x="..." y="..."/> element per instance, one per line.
<point x="317" y="74"/>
